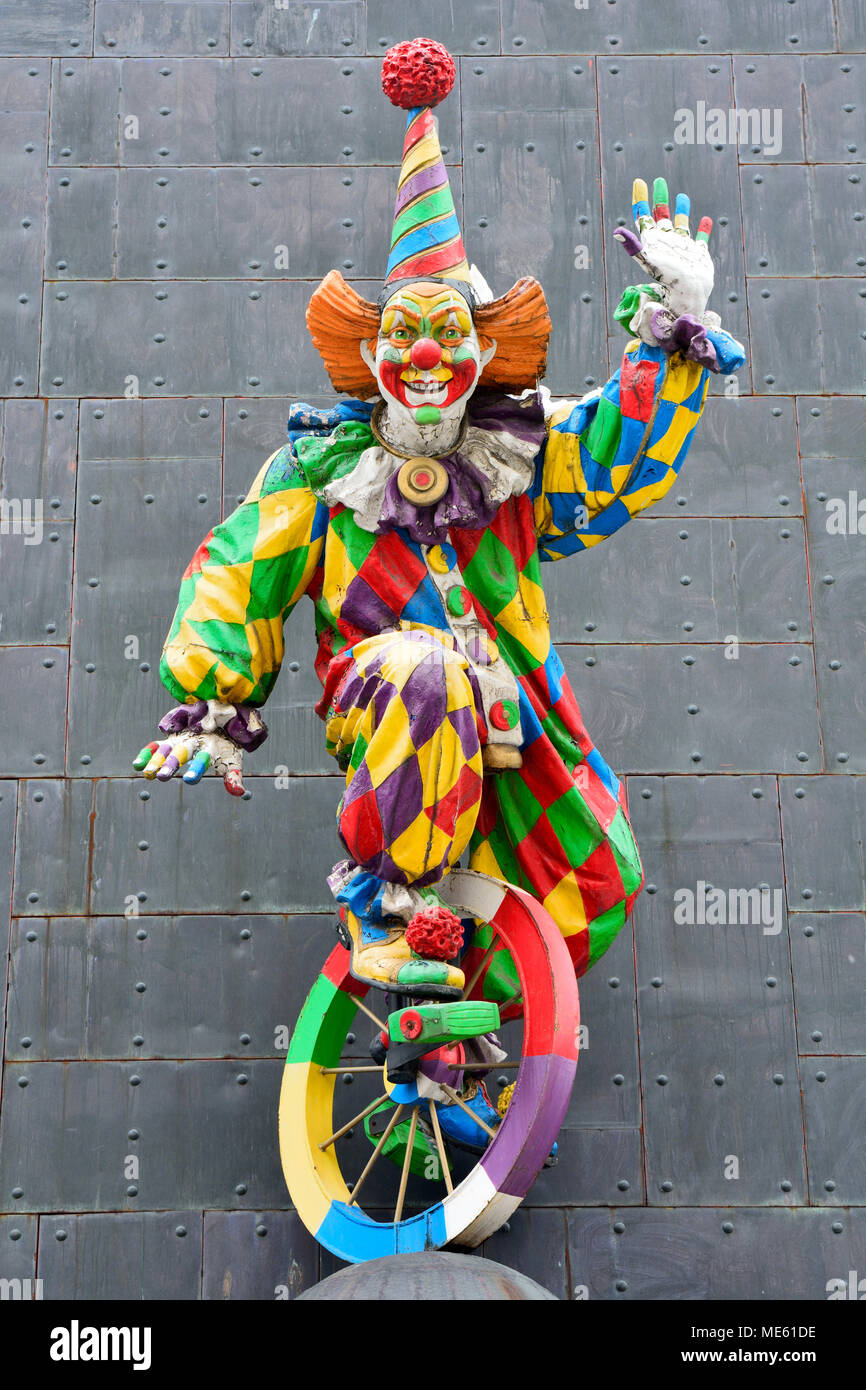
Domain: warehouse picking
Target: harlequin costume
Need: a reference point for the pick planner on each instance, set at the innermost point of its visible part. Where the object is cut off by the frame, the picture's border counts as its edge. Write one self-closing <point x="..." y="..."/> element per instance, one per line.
<point x="434" y="647"/>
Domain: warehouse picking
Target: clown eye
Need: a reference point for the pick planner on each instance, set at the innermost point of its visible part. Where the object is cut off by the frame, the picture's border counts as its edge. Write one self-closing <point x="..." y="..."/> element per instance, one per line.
<point x="401" y="333"/>
<point x="452" y="333"/>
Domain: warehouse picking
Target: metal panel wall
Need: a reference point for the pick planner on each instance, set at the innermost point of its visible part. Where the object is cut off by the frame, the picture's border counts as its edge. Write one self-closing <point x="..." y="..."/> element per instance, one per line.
<point x="159" y="162"/>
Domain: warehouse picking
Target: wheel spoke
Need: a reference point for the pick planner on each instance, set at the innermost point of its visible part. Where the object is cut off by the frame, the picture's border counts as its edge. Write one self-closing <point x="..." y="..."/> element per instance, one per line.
<point x="369" y="1012"/>
<point x="481" y="964"/>
<point x="338" y="1134"/>
<point x="482" y="1066"/>
<point x="333" y="1071"/>
<point x="353" y="1195"/>
<point x="407" y="1163"/>
<point x="452" y="1094"/>
<point x="440" y="1146"/>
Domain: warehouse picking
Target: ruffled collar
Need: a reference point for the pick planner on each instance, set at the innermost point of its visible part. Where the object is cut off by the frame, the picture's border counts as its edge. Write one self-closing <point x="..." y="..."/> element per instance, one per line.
<point x="495" y="461"/>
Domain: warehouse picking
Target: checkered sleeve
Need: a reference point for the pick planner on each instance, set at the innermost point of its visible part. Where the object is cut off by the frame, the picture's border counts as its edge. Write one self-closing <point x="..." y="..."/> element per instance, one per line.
<point x="617" y="451"/>
<point x="226" y="641"/>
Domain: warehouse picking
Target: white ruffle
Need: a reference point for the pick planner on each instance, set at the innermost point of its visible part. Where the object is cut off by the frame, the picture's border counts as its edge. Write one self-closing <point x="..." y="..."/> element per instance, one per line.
<point x="504" y="460"/>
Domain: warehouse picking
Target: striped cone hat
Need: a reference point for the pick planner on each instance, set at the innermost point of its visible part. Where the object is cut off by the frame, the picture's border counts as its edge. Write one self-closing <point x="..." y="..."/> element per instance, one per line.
<point x="426" y="241"/>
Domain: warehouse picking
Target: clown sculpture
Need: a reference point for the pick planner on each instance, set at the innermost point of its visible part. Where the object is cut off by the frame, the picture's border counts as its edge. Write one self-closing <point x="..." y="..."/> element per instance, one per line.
<point x="416" y="515"/>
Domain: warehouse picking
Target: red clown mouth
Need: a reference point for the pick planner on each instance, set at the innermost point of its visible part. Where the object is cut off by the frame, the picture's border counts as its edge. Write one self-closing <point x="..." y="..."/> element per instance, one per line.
<point x="428" y="391"/>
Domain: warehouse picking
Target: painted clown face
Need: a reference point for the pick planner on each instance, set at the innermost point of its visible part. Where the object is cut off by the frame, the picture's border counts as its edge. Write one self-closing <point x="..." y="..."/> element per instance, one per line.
<point x="428" y="359"/>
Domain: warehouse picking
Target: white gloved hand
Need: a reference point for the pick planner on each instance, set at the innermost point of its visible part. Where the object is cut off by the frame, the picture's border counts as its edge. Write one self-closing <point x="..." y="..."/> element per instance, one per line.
<point x="681" y="267"/>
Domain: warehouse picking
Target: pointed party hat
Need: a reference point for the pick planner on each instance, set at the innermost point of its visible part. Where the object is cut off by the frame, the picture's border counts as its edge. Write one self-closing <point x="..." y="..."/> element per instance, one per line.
<point x="426" y="241"/>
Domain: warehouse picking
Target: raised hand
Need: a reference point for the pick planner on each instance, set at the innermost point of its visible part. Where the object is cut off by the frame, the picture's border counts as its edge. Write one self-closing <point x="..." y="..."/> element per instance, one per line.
<point x="206" y="736"/>
<point x="671" y="313"/>
<point x="681" y="267"/>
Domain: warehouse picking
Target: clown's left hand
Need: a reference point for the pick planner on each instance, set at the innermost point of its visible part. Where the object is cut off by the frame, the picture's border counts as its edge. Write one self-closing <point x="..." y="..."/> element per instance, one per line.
<point x="681" y="267"/>
<point x="671" y="312"/>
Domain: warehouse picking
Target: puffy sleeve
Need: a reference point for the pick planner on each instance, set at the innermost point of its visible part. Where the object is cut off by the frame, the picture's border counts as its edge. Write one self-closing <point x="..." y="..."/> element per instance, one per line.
<point x="617" y="451"/>
<point x="226" y="640"/>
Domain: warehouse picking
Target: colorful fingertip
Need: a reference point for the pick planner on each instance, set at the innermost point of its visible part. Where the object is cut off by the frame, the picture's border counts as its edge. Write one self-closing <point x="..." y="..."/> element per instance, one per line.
<point x="705" y="226"/>
<point x="626" y="238"/>
<point x="168" y="769"/>
<point x="661" y="197"/>
<point x="144" y="757"/>
<point x="681" y="214"/>
<point x="156" y="762"/>
<point x="197" y="768"/>
<point x="640" y="208"/>
<point x="234" y="782"/>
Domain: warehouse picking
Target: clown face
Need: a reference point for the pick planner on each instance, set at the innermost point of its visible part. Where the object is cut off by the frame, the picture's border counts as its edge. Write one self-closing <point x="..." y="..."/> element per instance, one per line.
<point x="428" y="359"/>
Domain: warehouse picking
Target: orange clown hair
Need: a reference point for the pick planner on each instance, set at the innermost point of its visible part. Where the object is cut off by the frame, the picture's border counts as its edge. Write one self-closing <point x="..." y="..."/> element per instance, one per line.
<point x="339" y="320"/>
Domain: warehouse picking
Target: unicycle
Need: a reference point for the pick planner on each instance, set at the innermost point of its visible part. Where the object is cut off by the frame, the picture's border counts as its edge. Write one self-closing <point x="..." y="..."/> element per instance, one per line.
<point x="370" y="1166"/>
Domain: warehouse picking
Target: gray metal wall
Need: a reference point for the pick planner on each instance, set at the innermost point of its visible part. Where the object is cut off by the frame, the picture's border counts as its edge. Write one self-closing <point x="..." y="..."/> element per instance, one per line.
<point x="149" y="253"/>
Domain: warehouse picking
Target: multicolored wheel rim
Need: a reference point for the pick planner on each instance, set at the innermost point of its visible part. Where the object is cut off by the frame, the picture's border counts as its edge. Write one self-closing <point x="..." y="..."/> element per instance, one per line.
<point x="497" y="1184"/>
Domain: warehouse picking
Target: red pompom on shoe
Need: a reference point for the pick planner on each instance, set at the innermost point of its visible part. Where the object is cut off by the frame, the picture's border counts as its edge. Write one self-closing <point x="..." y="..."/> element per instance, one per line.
<point x="418" y="72"/>
<point x="435" y="933"/>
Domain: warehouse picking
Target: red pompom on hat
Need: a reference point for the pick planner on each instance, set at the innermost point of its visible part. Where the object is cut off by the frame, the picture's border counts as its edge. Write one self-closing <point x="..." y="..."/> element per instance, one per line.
<point x="435" y="933"/>
<point x="418" y="72"/>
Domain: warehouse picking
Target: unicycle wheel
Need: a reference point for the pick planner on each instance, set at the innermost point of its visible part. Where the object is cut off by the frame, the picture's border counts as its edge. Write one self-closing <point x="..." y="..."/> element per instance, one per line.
<point x="325" y="1140"/>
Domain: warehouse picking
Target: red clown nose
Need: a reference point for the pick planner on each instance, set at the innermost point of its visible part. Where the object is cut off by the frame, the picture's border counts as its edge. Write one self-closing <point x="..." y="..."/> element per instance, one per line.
<point x="425" y="354"/>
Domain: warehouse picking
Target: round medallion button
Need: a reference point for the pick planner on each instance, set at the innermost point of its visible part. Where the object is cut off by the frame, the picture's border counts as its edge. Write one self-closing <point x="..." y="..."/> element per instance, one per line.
<point x="422" y="481"/>
<point x="438" y="560"/>
<point x="504" y="714"/>
<point x="458" y="601"/>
